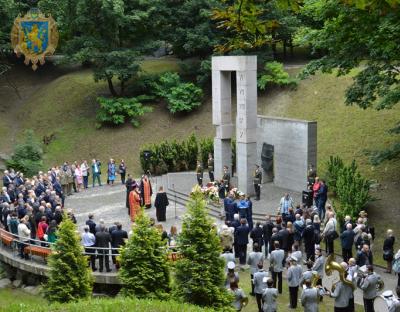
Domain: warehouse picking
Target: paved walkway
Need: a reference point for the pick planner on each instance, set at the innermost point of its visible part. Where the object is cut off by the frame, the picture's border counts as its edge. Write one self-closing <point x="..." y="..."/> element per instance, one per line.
<point x="108" y="203"/>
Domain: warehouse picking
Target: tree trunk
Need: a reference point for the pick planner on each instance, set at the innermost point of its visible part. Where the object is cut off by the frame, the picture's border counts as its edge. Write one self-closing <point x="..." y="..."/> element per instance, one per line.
<point x="284" y="49"/>
<point x="111" y="87"/>
<point x="291" y="46"/>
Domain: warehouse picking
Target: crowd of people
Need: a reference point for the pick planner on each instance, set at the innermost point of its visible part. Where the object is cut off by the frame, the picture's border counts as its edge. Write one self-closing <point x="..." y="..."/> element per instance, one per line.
<point x="294" y="248"/>
<point x="32" y="208"/>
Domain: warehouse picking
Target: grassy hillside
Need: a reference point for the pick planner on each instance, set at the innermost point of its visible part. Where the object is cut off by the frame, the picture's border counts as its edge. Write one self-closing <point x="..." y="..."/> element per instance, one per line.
<point x="343" y="130"/>
<point x="66" y="107"/>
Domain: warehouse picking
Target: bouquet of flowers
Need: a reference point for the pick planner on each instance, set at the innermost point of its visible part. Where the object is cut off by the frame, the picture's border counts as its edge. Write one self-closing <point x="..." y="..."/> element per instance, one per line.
<point x="210" y="191"/>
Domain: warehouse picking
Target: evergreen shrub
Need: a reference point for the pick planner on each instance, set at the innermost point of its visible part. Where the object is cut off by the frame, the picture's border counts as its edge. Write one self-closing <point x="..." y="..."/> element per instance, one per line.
<point x="27" y="156"/>
<point x="350" y="187"/>
<point x="199" y="274"/>
<point x="144" y="268"/>
<point x="70" y="278"/>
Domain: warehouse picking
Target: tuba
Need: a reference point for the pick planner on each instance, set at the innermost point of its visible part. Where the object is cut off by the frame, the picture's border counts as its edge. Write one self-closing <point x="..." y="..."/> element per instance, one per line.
<point x="330" y="266"/>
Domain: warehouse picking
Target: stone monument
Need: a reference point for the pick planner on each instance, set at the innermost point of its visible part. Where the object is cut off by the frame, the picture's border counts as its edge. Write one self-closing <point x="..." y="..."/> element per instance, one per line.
<point x="291" y="144"/>
<point x="246" y="121"/>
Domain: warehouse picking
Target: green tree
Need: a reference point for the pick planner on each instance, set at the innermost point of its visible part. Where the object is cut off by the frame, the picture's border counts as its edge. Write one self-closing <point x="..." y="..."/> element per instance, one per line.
<point x="122" y="65"/>
<point x="144" y="268"/>
<point x="362" y="35"/>
<point x="27" y="156"/>
<point x="70" y="278"/>
<point x="188" y="27"/>
<point x="252" y="24"/>
<point x="199" y="275"/>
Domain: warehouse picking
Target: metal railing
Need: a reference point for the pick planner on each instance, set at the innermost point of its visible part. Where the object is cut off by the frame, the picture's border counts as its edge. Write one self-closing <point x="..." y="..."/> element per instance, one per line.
<point x="87" y="251"/>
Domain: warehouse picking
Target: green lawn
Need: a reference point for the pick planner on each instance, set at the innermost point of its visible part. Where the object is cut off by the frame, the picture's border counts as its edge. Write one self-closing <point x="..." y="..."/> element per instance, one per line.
<point x="18" y="297"/>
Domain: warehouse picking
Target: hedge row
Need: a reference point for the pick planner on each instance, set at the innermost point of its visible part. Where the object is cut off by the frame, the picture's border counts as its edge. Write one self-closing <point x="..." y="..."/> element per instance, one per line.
<point x="173" y="156"/>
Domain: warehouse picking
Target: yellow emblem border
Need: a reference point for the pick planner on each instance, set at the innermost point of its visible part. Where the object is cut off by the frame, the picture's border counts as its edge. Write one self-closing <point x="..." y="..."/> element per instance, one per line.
<point x="52" y="38"/>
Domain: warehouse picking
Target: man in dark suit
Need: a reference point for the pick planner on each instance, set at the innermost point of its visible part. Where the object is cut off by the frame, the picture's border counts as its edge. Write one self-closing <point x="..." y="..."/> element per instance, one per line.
<point x="347" y="240"/>
<point x="274" y="238"/>
<point x="284" y="239"/>
<point x="242" y="239"/>
<point x="267" y="233"/>
<point x="103" y="240"/>
<point x="118" y="238"/>
<point x="309" y="240"/>
<point x="91" y="224"/>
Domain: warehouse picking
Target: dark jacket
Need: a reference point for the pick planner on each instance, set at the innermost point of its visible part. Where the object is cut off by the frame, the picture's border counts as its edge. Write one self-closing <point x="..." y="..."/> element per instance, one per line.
<point x="117" y="238"/>
<point x="256" y="235"/>
<point x="103" y="239"/>
<point x="242" y="234"/>
<point x="347" y="239"/>
<point x="284" y="235"/>
<point x="274" y="237"/>
<point x="388" y="243"/>
<point x="363" y="258"/>
<point x="92" y="226"/>
<point x="309" y="237"/>
<point x="267" y="230"/>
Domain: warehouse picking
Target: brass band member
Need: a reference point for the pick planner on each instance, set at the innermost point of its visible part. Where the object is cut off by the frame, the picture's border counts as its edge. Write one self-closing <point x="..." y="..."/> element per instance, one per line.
<point x="342" y="294"/>
<point x="369" y="284"/>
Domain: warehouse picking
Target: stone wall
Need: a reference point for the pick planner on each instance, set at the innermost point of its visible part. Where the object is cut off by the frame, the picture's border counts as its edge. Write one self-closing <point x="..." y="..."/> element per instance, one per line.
<point x="295" y="146"/>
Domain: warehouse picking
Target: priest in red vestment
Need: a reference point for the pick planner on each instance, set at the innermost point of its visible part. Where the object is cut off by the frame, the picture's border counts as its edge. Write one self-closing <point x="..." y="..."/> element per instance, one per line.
<point x="134" y="203"/>
<point x="146" y="191"/>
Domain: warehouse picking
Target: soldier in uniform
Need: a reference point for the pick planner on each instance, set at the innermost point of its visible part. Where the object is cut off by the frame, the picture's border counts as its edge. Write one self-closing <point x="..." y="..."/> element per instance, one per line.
<point x="210" y="165"/>
<point x="64" y="181"/>
<point x="199" y="173"/>
<point x="257" y="181"/>
<point x="226" y="177"/>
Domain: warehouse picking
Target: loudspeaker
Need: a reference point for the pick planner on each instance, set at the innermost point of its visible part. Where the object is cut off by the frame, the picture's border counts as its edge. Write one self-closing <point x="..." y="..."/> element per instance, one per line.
<point x="307" y="198"/>
<point x="146" y="155"/>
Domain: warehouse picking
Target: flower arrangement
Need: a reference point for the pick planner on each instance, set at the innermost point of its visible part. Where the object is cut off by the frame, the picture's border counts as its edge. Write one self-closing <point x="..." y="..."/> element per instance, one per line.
<point x="210" y="191"/>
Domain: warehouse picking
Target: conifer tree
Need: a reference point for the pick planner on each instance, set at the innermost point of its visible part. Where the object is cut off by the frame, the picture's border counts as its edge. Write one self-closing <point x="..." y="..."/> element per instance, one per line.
<point x="144" y="265"/>
<point x="200" y="272"/>
<point x="70" y="278"/>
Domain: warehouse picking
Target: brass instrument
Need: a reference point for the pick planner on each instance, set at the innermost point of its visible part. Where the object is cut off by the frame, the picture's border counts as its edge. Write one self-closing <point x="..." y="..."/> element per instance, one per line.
<point x="314" y="280"/>
<point x="330" y="266"/>
<point x="362" y="273"/>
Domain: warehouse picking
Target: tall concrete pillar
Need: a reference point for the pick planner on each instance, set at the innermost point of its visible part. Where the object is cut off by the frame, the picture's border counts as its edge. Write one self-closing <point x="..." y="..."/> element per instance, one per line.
<point x="246" y="128"/>
<point x="222" y="119"/>
<point x="246" y="120"/>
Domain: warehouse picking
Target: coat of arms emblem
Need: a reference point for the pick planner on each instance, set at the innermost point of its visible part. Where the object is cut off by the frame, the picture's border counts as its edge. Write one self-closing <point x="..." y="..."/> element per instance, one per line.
<point x="35" y="36"/>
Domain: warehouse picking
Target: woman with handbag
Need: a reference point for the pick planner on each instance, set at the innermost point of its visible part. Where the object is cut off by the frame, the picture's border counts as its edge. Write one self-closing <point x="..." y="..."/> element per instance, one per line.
<point x="388" y="250"/>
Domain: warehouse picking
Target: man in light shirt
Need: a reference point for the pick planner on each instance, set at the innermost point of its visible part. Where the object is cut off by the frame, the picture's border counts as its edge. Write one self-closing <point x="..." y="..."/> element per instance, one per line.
<point x="89" y="240"/>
